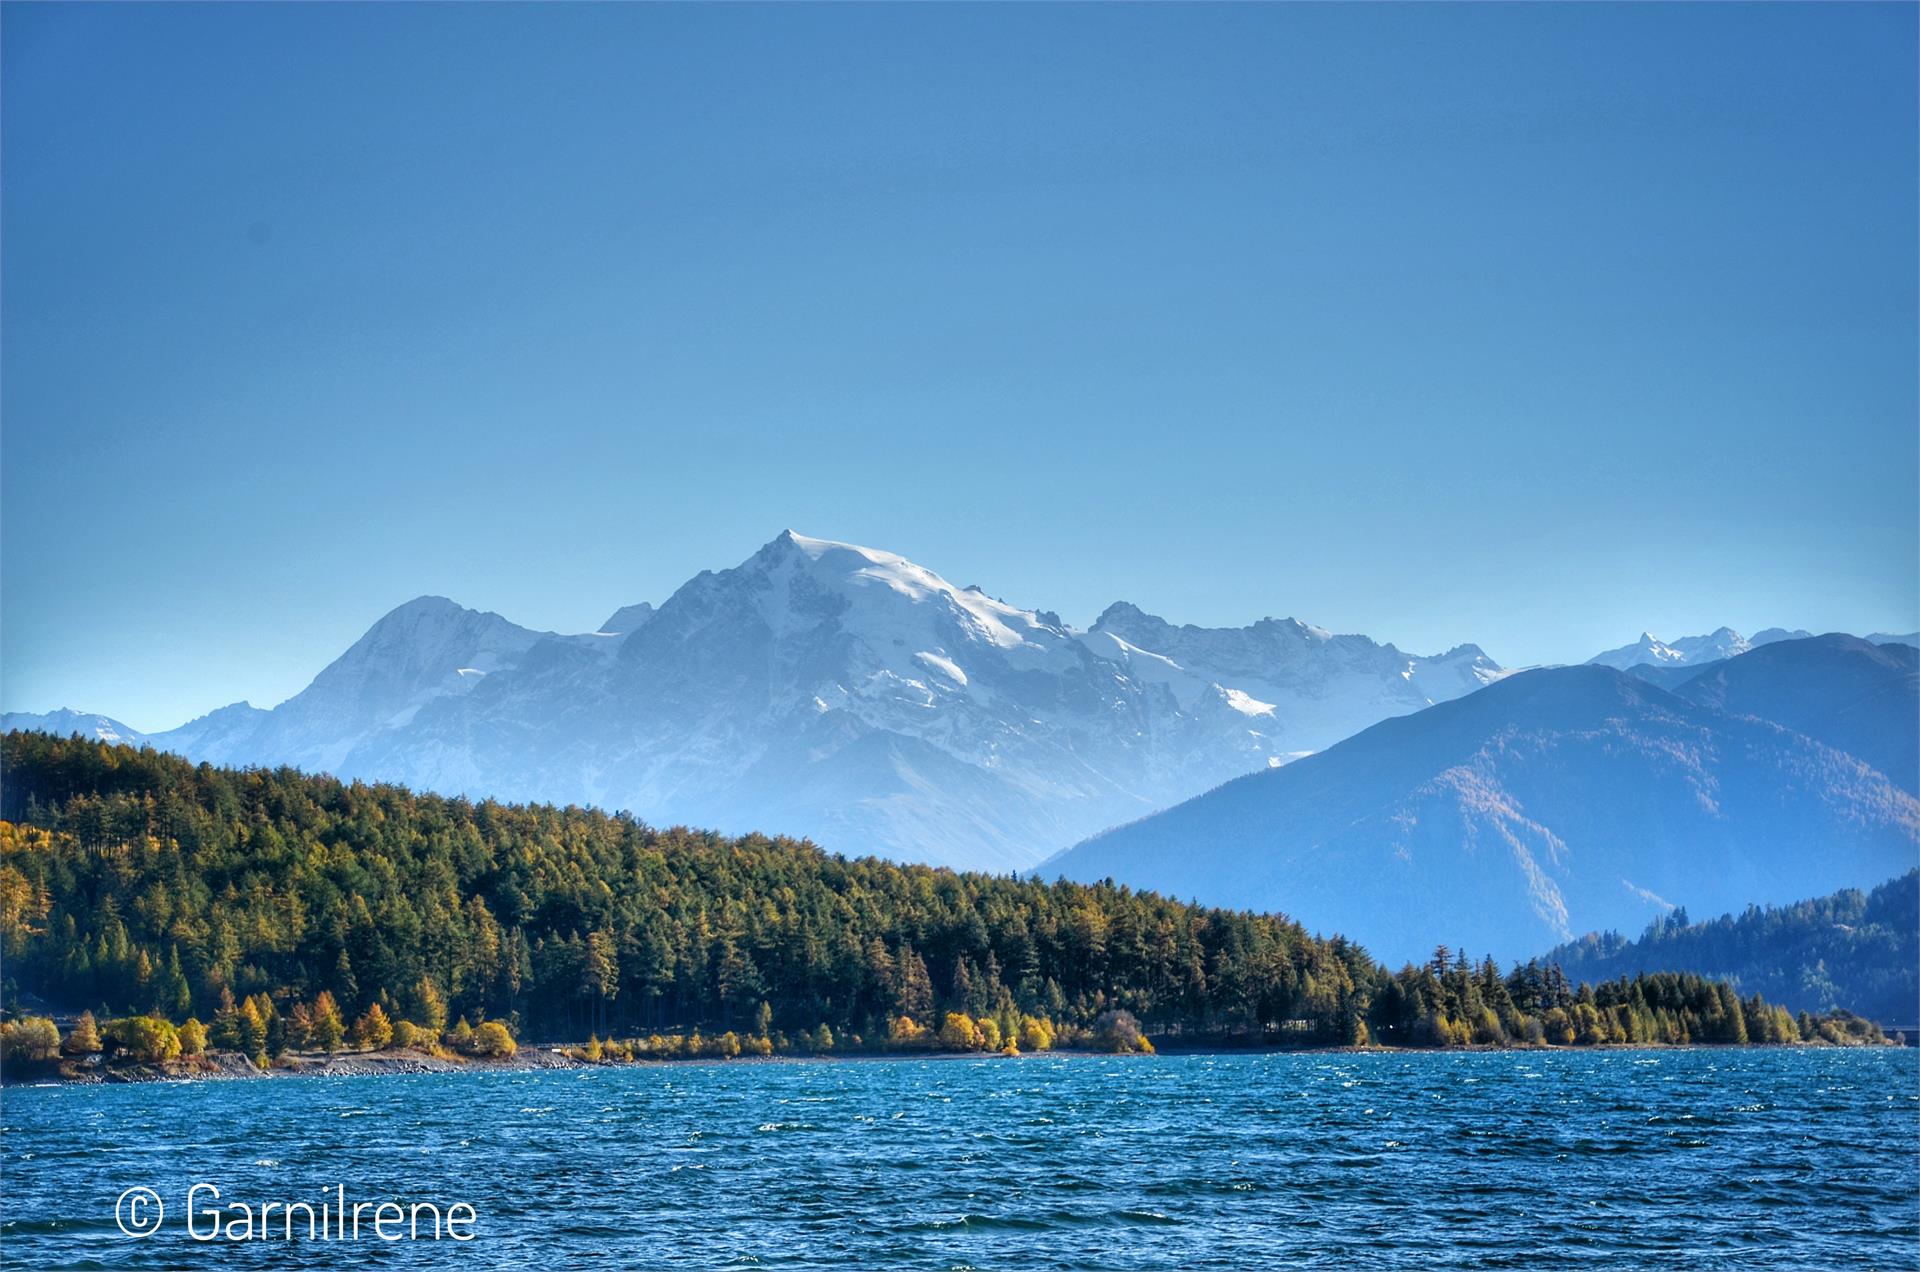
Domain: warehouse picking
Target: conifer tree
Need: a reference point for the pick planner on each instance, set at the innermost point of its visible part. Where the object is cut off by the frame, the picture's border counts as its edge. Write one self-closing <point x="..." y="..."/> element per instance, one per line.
<point x="226" y="1034"/>
<point x="253" y="1029"/>
<point x="328" y="1028"/>
<point x="373" y="1031"/>
<point x="429" y="1008"/>
<point x="84" y="1038"/>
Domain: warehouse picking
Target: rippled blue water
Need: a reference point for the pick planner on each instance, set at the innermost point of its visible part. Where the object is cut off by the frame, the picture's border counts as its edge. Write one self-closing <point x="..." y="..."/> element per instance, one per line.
<point x="1640" y="1159"/>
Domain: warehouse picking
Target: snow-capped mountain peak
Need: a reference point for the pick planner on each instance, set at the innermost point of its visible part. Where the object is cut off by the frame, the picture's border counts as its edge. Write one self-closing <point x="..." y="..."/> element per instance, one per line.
<point x="883" y="580"/>
<point x="419" y="648"/>
<point x="1688" y="651"/>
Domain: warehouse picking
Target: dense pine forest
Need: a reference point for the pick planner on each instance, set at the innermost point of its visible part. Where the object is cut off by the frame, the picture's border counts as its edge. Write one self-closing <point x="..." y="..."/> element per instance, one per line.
<point x="1853" y="949"/>
<point x="133" y="883"/>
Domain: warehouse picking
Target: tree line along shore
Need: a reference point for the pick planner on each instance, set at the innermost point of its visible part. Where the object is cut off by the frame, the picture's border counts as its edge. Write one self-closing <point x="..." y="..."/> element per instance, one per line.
<point x="276" y="916"/>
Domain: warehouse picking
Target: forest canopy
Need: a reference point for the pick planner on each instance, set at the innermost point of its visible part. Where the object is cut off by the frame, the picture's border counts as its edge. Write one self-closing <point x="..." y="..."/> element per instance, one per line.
<point x="1855" y="950"/>
<point x="137" y="882"/>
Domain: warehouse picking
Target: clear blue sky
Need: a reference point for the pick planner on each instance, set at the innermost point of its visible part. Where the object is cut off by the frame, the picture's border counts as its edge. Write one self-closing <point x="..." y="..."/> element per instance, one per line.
<point x="1527" y="325"/>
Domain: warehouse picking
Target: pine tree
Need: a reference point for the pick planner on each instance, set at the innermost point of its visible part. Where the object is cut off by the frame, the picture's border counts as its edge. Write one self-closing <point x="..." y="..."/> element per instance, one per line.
<point x="343" y="978"/>
<point x="84" y="1038"/>
<point x="961" y="992"/>
<point x="601" y="971"/>
<point x="253" y="1029"/>
<point x="915" y="997"/>
<point x="300" y="1026"/>
<point x="373" y="1031"/>
<point x="226" y="1033"/>
<point x="429" y="1008"/>
<point x="275" y="1035"/>
<point x="328" y="1028"/>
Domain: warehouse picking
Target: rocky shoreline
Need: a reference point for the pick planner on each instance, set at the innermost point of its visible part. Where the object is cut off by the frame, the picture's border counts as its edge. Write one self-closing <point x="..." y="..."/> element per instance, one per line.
<point x="232" y="1066"/>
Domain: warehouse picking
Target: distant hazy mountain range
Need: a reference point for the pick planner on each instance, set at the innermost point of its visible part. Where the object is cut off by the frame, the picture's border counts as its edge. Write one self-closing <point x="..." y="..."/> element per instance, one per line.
<point x="1565" y="800"/>
<point x="1695" y="651"/>
<point x="828" y="690"/>
<point x="65" y="723"/>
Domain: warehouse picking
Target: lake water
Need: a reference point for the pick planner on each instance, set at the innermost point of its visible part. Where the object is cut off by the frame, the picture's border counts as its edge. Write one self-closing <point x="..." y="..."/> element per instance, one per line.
<point x="1635" y="1159"/>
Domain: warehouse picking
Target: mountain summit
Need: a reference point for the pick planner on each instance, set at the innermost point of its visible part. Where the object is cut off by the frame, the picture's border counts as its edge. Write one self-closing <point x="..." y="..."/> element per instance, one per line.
<point x="425" y="649"/>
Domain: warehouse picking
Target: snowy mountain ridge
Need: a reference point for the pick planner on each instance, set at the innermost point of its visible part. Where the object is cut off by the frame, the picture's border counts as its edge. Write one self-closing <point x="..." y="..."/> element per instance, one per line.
<point x="1688" y="651"/>
<point x="1696" y="651"/>
<point x="845" y="693"/>
<point x="826" y="689"/>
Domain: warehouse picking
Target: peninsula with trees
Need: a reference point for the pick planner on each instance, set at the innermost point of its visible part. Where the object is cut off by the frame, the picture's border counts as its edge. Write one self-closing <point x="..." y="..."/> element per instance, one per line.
<point x="170" y="911"/>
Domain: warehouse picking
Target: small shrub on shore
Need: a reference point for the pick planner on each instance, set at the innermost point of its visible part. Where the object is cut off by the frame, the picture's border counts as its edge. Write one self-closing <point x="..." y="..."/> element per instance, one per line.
<point x="492" y="1040"/>
<point x="1119" y="1032"/>
<point x="960" y="1033"/>
<point x="1035" y="1034"/>
<point x="1844" y="1029"/>
<point x="146" y="1039"/>
<point x="29" y="1040"/>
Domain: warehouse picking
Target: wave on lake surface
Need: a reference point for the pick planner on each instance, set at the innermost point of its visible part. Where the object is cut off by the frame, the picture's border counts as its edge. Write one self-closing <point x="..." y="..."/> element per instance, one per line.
<point x="1744" y="1159"/>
